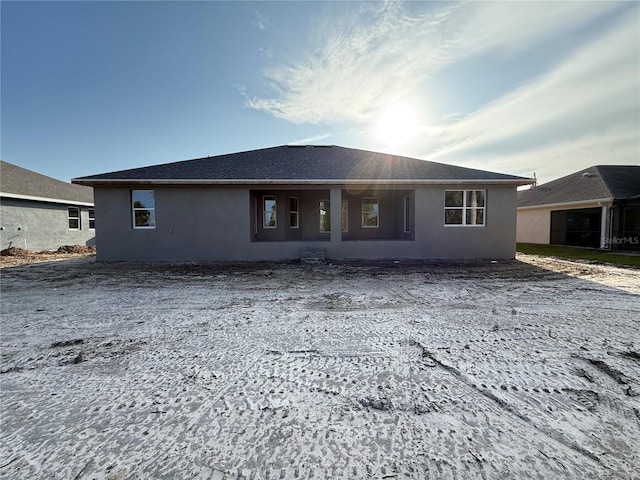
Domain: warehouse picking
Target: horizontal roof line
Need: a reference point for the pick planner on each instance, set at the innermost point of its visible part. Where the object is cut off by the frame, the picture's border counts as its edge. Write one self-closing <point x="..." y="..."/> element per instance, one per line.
<point x="44" y="199"/>
<point x="566" y="204"/>
<point x="91" y="182"/>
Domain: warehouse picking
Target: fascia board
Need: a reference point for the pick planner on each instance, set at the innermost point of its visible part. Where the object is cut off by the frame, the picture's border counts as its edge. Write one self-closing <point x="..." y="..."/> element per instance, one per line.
<point x="113" y="182"/>
<point x="569" y="204"/>
<point x="44" y="199"/>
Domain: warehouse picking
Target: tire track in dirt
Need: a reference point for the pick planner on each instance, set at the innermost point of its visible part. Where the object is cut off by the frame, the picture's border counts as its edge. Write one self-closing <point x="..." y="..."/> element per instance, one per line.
<point x="246" y="374"/>
<point x="553" y="434"/>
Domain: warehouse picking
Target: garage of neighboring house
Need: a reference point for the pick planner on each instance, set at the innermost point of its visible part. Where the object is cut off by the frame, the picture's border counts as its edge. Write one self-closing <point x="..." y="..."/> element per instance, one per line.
<point x="598" y="207"/>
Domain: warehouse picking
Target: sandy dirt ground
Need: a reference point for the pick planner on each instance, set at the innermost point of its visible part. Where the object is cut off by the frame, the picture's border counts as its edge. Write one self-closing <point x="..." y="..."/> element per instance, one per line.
<point x="525" y="369"/>
<point x="25" y="257"/>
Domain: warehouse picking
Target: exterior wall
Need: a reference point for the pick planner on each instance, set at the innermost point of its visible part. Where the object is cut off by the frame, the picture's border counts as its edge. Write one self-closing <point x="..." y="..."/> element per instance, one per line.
<point x="534" y="226"/>
<point x="218" y="224"/>
<point x="36" y="226"/>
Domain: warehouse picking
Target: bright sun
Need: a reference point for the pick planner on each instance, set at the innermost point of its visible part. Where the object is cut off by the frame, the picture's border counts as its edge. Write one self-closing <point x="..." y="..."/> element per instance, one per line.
<point x="397" y="125"/>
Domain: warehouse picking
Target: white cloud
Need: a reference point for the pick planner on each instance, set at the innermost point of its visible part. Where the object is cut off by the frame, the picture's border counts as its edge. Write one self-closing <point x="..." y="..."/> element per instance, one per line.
<point x="516" y="26"/>
<point x="356" y="65"/>
<point x="362" y="62"/>
<point x="585" y="111"/>
<point x="261" y="21"/>
<point x="309" y="140"/>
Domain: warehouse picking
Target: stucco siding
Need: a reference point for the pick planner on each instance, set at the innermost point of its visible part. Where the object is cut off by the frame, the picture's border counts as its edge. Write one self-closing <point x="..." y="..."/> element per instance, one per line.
<point x="36" y="226"/>
<point x="192" y="224"/>
<point x="533" y="226"/>
<point x="219" y="223"/>
<point x="496" y="239"/>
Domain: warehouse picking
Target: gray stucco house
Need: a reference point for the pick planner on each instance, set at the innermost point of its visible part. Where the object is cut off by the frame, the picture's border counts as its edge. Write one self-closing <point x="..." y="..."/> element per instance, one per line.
<point x="597" y="207"/>
<point x="41" y="213"/>
<point x="274" y="203"/>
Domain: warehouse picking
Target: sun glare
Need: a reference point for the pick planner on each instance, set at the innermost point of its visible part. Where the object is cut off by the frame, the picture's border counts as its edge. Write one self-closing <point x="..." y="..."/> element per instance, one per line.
<point x="397" y="124"/>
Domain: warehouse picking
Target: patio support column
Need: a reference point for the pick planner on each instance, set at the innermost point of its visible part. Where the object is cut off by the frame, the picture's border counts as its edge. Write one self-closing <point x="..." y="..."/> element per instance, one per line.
<point x="336" y="225"/>
<point x="604" y="227"/>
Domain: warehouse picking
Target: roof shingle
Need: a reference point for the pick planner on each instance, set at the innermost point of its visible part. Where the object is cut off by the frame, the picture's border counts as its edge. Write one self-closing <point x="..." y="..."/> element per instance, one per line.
<point x="15" y="180"/>
<point x="300" y="163"/>
<point x="611" y="182"/>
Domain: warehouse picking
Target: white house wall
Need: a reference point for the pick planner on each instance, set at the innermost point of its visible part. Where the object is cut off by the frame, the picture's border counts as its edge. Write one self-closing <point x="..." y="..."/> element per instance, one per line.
<point x="534" y="226"/>
<point x="534" y="223"/>
<point x="216" y="224"/>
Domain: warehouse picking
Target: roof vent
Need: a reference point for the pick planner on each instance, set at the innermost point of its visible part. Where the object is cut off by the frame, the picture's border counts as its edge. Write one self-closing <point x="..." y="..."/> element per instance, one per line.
<point x="588" y="175"/>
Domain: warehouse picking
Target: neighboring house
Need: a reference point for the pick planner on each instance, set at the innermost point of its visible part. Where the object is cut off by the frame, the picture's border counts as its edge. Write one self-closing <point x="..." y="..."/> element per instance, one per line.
<point x="597" y="207"/>
<point x="41" y="213"/>
<point x="274" y="203"/>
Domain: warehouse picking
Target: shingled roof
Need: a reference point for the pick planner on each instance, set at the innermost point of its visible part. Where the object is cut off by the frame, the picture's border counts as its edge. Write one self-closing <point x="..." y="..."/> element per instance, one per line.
<point x="301" y="164"/>
<point x="18" y="182"/>
<point x="598" y="183"/>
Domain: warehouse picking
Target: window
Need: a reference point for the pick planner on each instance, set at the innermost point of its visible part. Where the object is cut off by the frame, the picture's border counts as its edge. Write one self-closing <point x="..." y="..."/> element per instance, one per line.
<point x="74" y="218"/>
<point x="325" y="216"/>
<point x="144" y="208"/>
<point x="294" y="215"/>
<point x="370" y="213"/>
<point x="464" y="207"/>
<point x="344" y="216"/>
<point x="92" y="218"/>
<point x="269" y="217"/>
<point x="407" y="214"/>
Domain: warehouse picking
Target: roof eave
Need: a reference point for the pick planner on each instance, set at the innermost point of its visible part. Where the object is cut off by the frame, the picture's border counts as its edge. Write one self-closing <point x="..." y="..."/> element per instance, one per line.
<point x="478" y="181"/>
<point x="45" y="199"/>
<point x="567" y="204"/>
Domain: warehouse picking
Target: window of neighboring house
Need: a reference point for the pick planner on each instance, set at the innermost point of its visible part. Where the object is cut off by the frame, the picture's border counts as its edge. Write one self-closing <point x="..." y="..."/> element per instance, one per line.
<point x="407" y="214"/>
<point x="92" y="218"/>
<point x="143" y="205"/>
<point x="370" y="213"/>
<point x="325" y="216"/>
<point x="294" y="214"/>
<point x="269" y="211"/>
<point x="465" y="207"/>
<point x="74" y="218"/>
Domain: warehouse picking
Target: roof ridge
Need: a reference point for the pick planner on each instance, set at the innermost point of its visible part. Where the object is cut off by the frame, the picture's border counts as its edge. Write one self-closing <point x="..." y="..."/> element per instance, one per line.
<point x="605" y="180"/>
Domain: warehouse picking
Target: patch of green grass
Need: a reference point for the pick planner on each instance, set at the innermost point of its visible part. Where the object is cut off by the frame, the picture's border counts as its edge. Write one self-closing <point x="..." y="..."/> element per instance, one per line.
<point x="576" y="253"/>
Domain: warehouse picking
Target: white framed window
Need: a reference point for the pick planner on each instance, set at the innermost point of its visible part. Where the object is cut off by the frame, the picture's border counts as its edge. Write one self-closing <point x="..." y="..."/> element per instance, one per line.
<point x="465" y="208"/>
<point x="294" y="212"/>
<point x="269" y="211"/>
<point x="325" y="216"/>
<point x="74" y="218"/>
<point x="407" y="214"/>
<point x="92" y="218"/>
<point x="143" y="204"/>
<point x="370" y="212"/>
